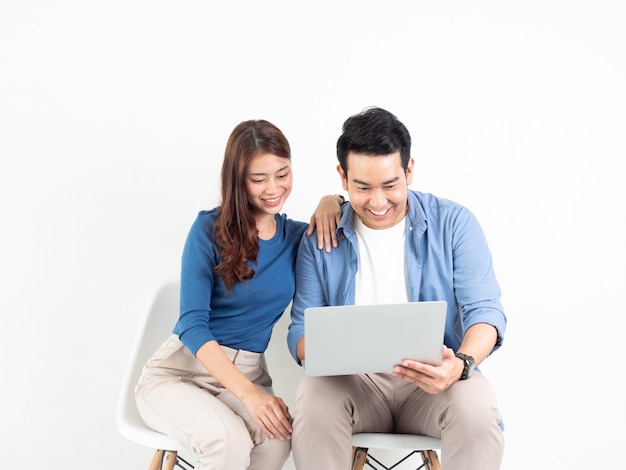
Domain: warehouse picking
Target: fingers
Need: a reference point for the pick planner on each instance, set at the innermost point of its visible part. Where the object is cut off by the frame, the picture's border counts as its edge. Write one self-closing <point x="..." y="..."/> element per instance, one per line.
<point x="330" y="233"/>
<point x="333" y="233"/>
<point x="276" y="428"/>
<point x="326" y="219"/>
<point x="420" y="379"/>
<point x="275" y="422"/>
<point x="330" y="239"/>
<point x="431" y="379"/>
<point x="326" y="235"/>
<point x="311" y="228"/>
<point x="321" y="235"/>
<point x="446" y="353"/>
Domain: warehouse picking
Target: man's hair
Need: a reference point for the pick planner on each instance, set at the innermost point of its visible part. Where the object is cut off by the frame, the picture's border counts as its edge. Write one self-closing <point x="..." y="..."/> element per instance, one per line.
<point x="374" y="131"/>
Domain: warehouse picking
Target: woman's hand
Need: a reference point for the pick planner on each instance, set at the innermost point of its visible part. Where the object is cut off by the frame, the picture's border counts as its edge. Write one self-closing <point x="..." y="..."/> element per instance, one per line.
<point x="325" y="220"/>
<point x="267" y="410"/>
<point x="270" y="413"/>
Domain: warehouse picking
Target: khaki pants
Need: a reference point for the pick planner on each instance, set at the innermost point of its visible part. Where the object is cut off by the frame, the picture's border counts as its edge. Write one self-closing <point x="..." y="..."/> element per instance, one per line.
<point x="176" y="396"/>
<point x="329" y="410"/>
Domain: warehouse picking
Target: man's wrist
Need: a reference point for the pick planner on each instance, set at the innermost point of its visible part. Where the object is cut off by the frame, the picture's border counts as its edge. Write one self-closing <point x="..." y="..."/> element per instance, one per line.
<point x="469" y="364"/>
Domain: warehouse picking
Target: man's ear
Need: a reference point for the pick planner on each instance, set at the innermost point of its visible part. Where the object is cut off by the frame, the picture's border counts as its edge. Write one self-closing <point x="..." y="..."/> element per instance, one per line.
<point x="409" y="172"/>
<point x="343" y="176"/>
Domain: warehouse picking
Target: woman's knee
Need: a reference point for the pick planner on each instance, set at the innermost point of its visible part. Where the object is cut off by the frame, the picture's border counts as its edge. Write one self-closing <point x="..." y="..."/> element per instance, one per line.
<point x="229" y="444"/>
<point x="271" y="454"/>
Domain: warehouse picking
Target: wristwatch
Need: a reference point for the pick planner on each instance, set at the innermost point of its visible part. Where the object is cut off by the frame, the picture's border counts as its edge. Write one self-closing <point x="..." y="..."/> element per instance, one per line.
<point x="469" y="367"/>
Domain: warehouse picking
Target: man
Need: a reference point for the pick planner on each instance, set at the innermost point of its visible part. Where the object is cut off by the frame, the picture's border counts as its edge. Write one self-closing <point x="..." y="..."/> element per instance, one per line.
<point x="398" y="245"/>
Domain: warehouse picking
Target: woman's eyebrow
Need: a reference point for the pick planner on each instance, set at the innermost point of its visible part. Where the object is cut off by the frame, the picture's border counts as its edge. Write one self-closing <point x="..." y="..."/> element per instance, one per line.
<point x="277" y="171"/>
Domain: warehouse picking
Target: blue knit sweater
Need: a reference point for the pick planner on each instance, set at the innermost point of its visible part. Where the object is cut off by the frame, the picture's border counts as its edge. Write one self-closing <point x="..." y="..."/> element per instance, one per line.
<point x="244" y="317"/>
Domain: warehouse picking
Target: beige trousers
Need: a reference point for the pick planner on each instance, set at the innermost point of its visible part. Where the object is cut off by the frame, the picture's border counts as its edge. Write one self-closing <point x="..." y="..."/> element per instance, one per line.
<point x="329" y="410"/>
<point x="176" y="396"/>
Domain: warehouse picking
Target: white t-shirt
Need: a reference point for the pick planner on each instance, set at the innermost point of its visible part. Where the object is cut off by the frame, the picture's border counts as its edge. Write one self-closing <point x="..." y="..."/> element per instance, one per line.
<point x="381" y="277"/>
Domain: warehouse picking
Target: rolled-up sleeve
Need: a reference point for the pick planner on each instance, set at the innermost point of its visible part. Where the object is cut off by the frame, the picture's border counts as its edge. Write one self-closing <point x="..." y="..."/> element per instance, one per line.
<point x="309" y="289"/>
<point x="475" y="285"/>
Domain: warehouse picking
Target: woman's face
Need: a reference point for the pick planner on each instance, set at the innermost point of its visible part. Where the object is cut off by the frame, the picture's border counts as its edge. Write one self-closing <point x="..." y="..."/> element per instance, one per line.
<point x="268" y="183"/>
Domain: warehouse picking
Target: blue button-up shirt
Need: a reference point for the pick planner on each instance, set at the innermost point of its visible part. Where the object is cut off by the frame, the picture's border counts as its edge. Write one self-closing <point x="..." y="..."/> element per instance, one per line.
<point x="447" y="258"/>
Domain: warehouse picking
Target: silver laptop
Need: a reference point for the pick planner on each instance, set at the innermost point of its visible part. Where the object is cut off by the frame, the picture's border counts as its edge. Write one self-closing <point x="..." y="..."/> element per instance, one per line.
<point x="356" y="339"/>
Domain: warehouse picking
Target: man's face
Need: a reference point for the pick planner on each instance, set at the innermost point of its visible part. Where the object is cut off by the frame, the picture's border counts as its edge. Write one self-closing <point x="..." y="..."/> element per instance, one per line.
<point x="377" y="187"/>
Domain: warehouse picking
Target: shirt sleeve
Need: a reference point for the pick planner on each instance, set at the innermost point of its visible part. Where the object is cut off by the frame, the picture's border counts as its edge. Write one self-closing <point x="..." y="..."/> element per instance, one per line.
<point x="200" y="256"/>
<point x="309" y="290"/>
<point x="476" y="287"/>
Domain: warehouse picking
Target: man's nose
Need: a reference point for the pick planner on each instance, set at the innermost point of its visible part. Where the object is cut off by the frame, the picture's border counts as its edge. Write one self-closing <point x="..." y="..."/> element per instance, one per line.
<point x="378" y="199"/>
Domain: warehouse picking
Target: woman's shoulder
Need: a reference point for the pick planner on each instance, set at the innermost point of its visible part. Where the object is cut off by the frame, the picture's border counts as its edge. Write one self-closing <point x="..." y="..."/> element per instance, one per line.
<point x="207" y="216"/>
<point x="294" y="227"/>
<point x="204" y="221"/>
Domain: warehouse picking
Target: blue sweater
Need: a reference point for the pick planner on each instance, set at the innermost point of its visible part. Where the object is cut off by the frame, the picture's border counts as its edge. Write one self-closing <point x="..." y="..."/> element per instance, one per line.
<point x="244" y="317"/>
<point x="447" y="258"/>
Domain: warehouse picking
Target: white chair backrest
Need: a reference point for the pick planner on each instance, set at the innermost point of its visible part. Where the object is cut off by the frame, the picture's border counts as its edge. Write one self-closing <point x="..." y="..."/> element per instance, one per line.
<point x="155" y="328"/>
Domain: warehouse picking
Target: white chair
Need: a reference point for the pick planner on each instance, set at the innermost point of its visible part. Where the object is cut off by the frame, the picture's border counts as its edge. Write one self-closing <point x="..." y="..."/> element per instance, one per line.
<point x="423" y="445"/>
<point x="155" y="328"/>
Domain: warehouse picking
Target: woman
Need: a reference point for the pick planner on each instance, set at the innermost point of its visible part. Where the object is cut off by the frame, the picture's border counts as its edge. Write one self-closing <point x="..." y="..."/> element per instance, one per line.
<point x="206" y="386"/>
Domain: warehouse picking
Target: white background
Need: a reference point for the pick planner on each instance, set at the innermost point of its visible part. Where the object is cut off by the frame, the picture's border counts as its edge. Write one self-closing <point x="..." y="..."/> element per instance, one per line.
<point x="113" y="120"/>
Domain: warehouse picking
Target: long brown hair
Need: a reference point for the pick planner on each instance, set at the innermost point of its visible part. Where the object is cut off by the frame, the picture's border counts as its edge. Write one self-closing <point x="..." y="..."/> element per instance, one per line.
<point x="235" y="228"/>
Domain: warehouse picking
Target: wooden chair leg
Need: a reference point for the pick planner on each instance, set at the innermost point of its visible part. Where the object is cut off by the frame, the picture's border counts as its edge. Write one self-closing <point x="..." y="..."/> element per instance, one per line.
<point x="169" y="460"/>
<point x="359" y="456"/>
<point x="163" y="460"/>
<point x="430" y="459"/>
<point x="155" y="464"/>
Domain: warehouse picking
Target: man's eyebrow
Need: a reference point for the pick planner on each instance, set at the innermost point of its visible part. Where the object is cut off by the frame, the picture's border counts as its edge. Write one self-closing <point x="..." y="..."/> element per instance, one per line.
<point x="364" y="183"/>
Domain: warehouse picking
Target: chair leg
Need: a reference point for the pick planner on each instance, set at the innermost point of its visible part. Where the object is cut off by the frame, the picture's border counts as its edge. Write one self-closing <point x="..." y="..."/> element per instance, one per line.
<point x="155" y="464"/>
<point x="430" y="459"/>
<point x="359" y="456"/>
<point x="169" y="460"/>
<point x="163" y="460"/>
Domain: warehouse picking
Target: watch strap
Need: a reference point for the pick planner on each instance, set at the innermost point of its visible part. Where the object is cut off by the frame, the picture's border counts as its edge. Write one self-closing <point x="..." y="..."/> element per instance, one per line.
<point x="468" y="366"/>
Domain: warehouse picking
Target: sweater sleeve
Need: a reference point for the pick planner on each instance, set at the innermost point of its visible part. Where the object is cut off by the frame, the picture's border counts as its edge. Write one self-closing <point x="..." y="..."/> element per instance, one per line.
<point x="200" y="256"/>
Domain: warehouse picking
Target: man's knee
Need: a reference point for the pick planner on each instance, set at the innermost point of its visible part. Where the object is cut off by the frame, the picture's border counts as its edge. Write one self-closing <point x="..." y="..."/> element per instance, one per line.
<point x="320" y="398"/>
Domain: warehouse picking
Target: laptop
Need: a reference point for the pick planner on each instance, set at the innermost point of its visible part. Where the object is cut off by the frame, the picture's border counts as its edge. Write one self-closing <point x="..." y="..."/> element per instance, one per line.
<point x="358" y="339"/>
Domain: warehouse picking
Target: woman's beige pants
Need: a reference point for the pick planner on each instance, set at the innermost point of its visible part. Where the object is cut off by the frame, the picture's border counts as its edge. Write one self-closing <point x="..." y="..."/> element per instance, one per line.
<point x="176" y="396"/>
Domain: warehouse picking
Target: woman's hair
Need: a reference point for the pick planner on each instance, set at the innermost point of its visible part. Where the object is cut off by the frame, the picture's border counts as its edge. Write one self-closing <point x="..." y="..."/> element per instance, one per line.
<point x="235" y="228"/>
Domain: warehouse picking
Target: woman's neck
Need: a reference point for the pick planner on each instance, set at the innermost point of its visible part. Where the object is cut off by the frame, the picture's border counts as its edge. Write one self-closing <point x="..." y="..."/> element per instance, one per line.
<point x="266" y="227"/>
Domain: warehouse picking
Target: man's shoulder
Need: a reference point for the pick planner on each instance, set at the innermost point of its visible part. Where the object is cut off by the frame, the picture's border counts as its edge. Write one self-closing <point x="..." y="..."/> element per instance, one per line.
<point x="436" y="206"/>
<point x="432" y="201"/>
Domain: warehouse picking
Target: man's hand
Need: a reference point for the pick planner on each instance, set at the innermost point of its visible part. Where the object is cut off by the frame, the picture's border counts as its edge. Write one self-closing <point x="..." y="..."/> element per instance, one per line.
<point x="432" y="379"/>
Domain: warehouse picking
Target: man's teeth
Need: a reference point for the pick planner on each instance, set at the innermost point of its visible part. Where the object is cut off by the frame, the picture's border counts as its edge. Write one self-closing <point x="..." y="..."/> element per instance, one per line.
<point x="379" y="212"/>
